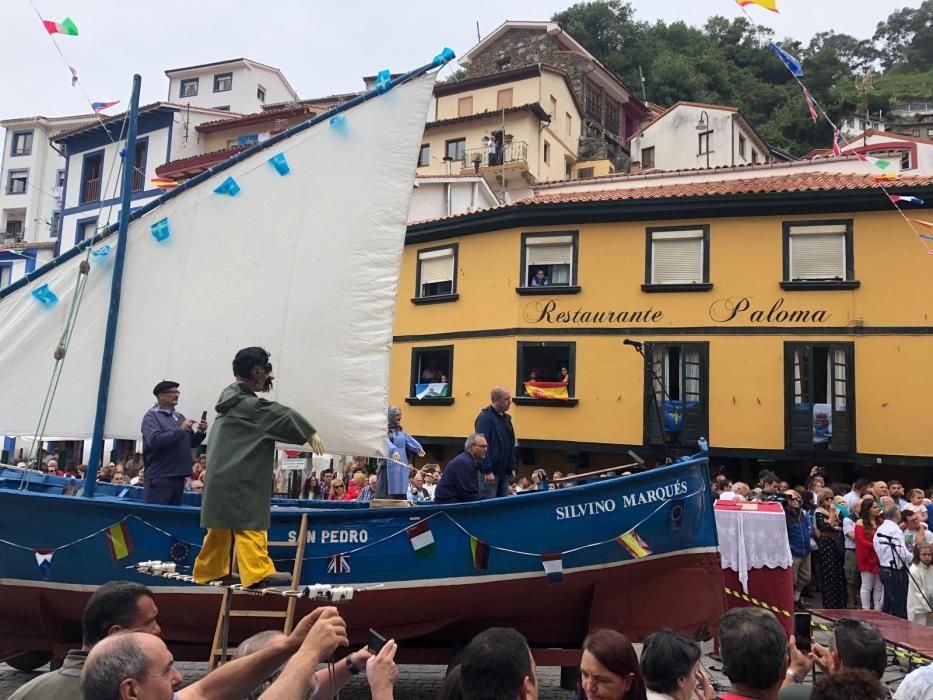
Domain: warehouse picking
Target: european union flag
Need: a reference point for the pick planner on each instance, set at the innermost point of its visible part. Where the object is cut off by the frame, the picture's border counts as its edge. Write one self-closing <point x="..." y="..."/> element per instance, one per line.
<point x="179" y="552"/>
<point x="677" y="513"/>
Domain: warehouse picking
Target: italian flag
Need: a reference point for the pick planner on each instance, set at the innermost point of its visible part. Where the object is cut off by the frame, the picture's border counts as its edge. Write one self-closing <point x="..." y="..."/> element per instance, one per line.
<point x="422" y="540"/>
<point x="66" y="27"/>
<point x="879" y="162"/>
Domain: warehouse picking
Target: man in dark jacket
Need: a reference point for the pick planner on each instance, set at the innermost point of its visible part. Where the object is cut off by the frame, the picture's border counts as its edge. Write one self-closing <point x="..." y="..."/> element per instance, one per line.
<point x="167" y="442"/>
<point x="459" y="482"/>
<point x="237" y="490"/>
<point x="799" y="532"/>
<point x="496" y="424"/>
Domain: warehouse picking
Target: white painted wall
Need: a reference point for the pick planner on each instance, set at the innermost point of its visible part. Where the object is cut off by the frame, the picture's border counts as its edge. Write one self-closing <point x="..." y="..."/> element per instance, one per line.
<point x="242" y="97"/>
<point x="429" y="198"/>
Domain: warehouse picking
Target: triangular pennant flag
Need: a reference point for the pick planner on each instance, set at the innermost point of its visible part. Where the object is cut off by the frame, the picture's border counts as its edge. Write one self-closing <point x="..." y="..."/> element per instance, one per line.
<point x="793" y="65"/>
<point x="66" y="27"/>
<point x="280" y="164"/>
<point x="339" y="564"/>
<point x="837" y="150"/>
<point x="164" y="183"/>
<point x="160" y="230"/>
<point x="767" y="4"/>
<point x="677" y="513"/>
<point x="101" y="106"/>
<point x="554" y="567"/>
<point x="383" y="81"/>
<point x="74" y="76"/>
<point x="634" y="544"/>
<point x="920" y="222"/>
<point x="102" y="252"/>
<point x="906" y="199"/>
<point x="480" y="552"/>
<point x="925" y="237"/>
<point x="179" y="552"/>
<point x="44" y="560"/>
<point x="810" y="105"/>
<point x="877" y="162"/>
<point x="422" y="539"/>
<point x="44" y="295"/>
<point x="228" y="186"/>
<point x="881" y="177"/>
<point x="119" y="541"/>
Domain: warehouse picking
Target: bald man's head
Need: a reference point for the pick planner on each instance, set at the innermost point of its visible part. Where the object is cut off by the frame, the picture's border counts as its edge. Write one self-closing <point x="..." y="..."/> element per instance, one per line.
<point x="129" y="665"/>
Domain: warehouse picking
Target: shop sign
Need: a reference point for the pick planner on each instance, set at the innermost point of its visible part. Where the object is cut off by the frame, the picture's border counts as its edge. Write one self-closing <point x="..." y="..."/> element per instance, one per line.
<point x="743" y="309"/>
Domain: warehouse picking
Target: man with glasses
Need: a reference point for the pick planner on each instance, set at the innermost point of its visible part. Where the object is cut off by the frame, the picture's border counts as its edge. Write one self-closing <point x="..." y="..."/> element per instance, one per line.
<point x="799" y="532"/>
<point x="459" y="483"/>
<point x="168" y="439"/>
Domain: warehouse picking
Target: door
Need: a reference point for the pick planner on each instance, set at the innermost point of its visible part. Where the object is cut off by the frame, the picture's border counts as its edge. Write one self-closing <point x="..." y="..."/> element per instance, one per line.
<point x="819" y="392"/>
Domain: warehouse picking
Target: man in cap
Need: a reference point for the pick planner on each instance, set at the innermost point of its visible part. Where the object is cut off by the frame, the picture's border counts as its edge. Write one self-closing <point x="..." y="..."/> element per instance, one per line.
<point x="238" y="487"/>
<point x="167" y="441"/>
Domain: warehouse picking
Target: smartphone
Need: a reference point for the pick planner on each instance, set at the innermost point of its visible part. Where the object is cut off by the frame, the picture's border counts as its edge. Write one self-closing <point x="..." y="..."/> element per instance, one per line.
<point x="203" y="415"/>
<point x="803" y="631"/>
<point x="376" y="641"/>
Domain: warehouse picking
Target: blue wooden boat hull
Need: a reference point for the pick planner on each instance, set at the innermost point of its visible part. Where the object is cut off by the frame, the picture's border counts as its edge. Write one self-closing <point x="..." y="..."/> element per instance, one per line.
<point x="440" y="599"/>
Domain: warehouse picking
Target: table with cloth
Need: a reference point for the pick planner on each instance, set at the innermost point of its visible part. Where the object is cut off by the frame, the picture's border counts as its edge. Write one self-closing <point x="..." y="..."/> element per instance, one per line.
<point x="756" y="558"/>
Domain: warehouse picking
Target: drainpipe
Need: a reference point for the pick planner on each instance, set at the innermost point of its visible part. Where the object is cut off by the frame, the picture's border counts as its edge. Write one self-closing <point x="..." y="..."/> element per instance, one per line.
<point x="448" y="199"/>
<point x="733" y="140"/>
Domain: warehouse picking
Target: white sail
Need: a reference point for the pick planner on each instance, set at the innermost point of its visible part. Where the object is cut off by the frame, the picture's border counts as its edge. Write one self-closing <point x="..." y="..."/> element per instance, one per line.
<point x="305" y="265"/>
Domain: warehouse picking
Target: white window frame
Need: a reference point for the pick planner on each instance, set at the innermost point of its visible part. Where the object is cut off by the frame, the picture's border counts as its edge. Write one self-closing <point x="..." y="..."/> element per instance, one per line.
<point x="686" y="234"/>
<point x="540" y="241"/>
<point x="437" y="259"/>
<point x="824" y="231"/>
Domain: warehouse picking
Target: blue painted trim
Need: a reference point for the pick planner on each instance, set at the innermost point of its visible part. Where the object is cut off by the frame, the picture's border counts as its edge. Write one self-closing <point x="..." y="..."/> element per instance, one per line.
<point x="144" y="141"/>
<point x="61" y="216"/>
<point x="168" y="148"/>
<point x="221" y="167"/>
<point x="84" y="161"/>
<point x="13" y="143"/>
<point x="94" y="137"/>
<point x="79" y="227"/>
<point x="30" y="256"/>
<point x="116" y="288"/>
<point x="93" y="206"/>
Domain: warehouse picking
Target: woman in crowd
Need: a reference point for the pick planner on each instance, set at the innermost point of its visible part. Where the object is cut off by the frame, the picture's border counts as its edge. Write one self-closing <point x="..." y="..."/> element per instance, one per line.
<point x="338" y="490"/>
<point x="670" y="665"/>
<point x="920" y="586"/>
<point x="539" y="480"/>
<point x="828" y="533"/>
<point x="309" y="490"/>
<point x="871" y="592"/>
<point x="609" y="668"/>
<point x="357" y="484"/>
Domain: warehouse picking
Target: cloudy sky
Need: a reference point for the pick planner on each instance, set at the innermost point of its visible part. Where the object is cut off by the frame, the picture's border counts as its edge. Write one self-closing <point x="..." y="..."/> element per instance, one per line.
<point x="321" y="47"/>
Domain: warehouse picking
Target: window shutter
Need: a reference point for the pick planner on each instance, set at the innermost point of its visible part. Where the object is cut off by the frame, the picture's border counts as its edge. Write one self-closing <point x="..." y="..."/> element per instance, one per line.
<point x="550" y="250"/>
<point x="437" y="266"/>
<point x="818" y="252"/>
<point x="677" y="257"/>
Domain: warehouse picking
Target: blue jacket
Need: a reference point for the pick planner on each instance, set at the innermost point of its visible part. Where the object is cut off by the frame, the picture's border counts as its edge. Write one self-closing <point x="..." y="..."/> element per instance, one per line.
<point x="460" y="480"/>
<point x="167" y="448"/>
<point x="498" y="431"/>
<point x="799" y="532"/>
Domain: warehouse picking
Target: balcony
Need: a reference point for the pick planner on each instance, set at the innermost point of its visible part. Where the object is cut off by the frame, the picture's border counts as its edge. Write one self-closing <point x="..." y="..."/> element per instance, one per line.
<point x="10" y="237"/>
<point x="90" y="191"/>
<point x="513" y="158"/>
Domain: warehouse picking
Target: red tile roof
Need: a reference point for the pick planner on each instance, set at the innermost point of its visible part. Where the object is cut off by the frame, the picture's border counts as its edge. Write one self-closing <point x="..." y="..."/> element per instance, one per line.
<point x="807" y="182"/>
<point x="192" y="165"/>
<point x="255" y="118"/>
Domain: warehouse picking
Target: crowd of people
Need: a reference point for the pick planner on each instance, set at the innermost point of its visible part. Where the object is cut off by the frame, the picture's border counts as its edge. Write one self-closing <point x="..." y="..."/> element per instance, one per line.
<point x="866" y="544"/>
<point x="123" y="657"/>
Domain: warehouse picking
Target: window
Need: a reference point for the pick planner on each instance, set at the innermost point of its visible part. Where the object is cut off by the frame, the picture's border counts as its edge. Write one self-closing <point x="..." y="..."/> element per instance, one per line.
<point x="222" y="108"/>
<point x="547" y="152"/>
<point x="503" y="62"/>
<point x="432" y="375"/>
<point x="455" y="149"/>
<point x="504" y="99"/>
<point x="819" y="386"/>
<point x="189" y="88"/>
<point x="60" y="178"/>
<point x="14" y="227"/>
<point x="549" y="260"/>
<point x="223" y="82"/>
<point x="436" y="276"/>
<point x="676" y="393"/>
<point x="54" y="223"/>
<point x="139" y="166"/>
<point x="585" y="173"/>
<point x="930" y="133"/>
<point x="568" y="122"/>
<point x="260" y="93"/>
<point x="647" y="158"/>
<point x="465" y="106"/>
<point x="91" y="171"/>
<point x="741" y="146"/>
<point x="85" y="229"/>
<point x="21" y="143"/>
<point x="613" y="109"/>
<point x="594" y="101"/>
<point x="6" y="275"/>
<point x="553" y="112"/>
<point x="703" y="143"/>
<point x="424" y="155"/>
<point x="818" y="255"/>
<point x="16" y="181"/>
<point x="905" y="160"/>
<point x="677" y="259"/>
<point x="541" y="378"/>
<point x="754" y="156"/>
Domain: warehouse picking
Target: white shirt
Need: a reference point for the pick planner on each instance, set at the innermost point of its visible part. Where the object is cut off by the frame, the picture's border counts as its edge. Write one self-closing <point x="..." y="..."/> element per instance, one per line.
<point x="848" y="528"/>
<point x="851" y="500"/>
<point x="891" y="530"/>
<point x="430" y="488"/>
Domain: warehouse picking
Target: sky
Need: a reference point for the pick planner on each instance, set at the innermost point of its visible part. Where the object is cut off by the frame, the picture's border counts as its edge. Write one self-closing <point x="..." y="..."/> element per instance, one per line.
<point x="321" y="47"/>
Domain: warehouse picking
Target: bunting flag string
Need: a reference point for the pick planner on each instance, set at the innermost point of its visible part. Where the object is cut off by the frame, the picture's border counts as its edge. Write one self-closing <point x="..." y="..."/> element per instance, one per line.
<point x="44" y="561"/>
<point x="101" y="106"/>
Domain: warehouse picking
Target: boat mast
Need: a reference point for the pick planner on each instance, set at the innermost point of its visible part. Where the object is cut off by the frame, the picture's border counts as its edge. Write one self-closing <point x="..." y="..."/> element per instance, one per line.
<point x="116" y="286"/>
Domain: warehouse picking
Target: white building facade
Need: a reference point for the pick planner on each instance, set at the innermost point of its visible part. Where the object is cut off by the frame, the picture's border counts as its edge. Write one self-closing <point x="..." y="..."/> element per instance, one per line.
<point x="691" y="135"/>
<point x="238" y="85"/>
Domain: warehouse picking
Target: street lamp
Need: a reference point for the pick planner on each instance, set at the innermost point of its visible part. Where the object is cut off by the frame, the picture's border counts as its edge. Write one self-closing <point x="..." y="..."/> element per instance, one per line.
<point x="703" y="128"/>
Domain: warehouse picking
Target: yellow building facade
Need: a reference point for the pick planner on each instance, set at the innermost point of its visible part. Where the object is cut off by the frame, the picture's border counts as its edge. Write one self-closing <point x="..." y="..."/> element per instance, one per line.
<point x="786" y="323"/>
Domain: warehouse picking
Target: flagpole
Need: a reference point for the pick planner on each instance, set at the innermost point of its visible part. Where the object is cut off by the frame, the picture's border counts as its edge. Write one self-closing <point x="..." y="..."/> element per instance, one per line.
<point x="116" y="287"/>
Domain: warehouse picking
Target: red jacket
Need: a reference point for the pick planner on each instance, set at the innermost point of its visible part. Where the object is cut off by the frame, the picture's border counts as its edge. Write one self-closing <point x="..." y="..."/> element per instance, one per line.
<point x="865" y="556"/>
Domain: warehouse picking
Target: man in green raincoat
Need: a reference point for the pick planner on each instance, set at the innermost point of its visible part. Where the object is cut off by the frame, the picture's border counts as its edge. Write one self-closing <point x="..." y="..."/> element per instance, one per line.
<point x="238" y="485"/>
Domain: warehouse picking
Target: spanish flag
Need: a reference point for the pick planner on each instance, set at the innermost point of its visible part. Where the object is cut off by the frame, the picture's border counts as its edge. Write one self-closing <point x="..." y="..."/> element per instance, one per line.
<point x="634" y="544"/>
<point x="767" y="4"/>
<point x="121" y="545"/>
<point x="480" y="551"/>
<point x="164" y="183"/>
<point x="547" y="390"/>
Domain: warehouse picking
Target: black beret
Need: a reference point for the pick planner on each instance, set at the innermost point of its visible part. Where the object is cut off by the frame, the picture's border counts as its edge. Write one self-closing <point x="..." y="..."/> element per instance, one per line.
<point x="164" y="386"/>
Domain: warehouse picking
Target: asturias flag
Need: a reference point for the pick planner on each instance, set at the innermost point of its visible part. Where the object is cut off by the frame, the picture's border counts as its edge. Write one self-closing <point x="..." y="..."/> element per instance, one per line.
<point x="66" y="27"/>
<point x="547" y="390"/>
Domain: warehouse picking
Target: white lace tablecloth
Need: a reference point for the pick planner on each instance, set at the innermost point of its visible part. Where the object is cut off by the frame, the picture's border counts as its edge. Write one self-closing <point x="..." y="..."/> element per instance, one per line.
<point x="750" y="539"/>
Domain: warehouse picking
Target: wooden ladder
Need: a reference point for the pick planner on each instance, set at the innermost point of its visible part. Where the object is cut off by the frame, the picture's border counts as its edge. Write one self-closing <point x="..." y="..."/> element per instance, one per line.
<point x="220" y="648"/>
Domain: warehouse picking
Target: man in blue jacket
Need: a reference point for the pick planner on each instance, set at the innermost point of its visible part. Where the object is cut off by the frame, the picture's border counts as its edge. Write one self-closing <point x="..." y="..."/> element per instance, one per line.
<point x="799" y="532"/>
<point x="167" y="442"/>
<point x="495" y="423"/>
<point x="458" y="483"/>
